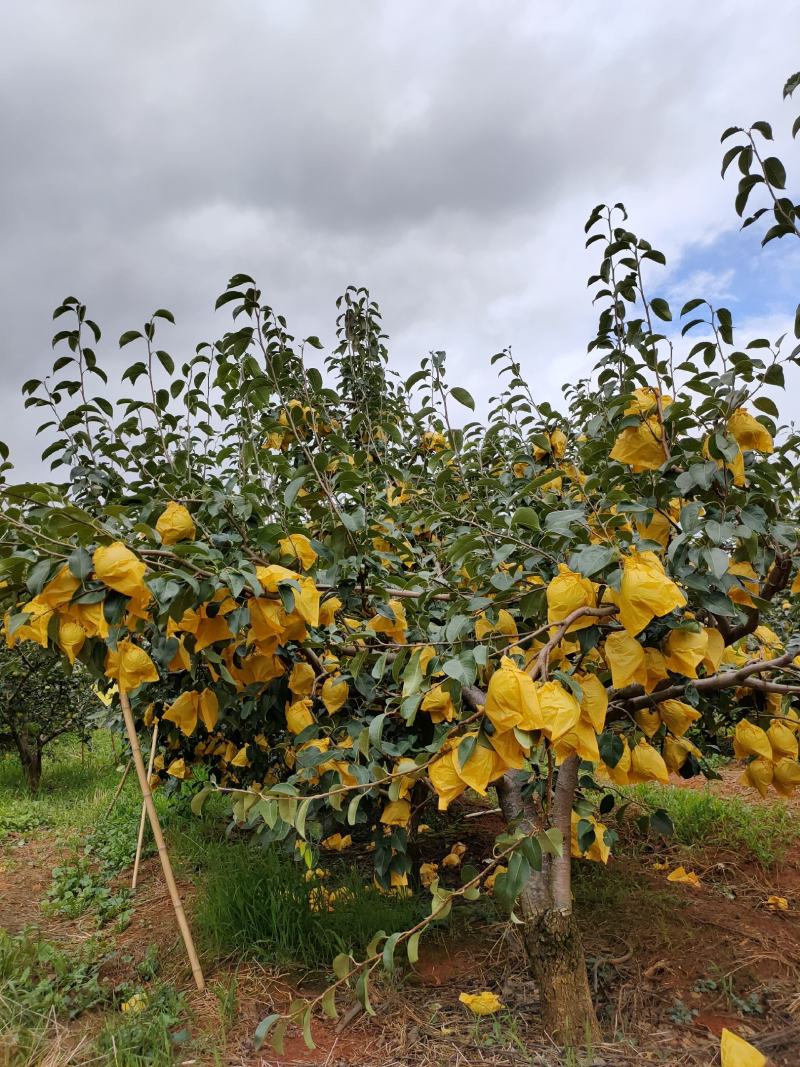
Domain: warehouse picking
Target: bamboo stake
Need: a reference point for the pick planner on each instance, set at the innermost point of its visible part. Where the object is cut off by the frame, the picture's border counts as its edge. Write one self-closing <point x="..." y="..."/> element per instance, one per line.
<point x="163" y="855"/>
<point x="118" y="790"/>
<point x="140" y="839"/>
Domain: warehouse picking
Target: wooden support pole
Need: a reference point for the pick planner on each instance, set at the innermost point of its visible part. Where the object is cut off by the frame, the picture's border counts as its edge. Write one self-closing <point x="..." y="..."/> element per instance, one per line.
<point x="163" y="855"/>
<point x="140" y="838"/>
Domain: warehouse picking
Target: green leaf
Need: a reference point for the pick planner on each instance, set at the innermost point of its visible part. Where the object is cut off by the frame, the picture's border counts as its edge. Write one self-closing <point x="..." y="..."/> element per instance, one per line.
<point x="775" y="172"/>
<point x="376" y="730"/>
<point x="300" y="820"/>
<point x="662" y="823"/>
<point x="569" y="682"/>
<point x="773" y="375"/>
<point x="591" y="559"/>
<point x="226" y="299"/>
<point x="362" y="993"/>
<point x="532" y="851"/>
<point x="412" y="379"/>
<point x="585" y="834"/>
<point x="660" y="309"/>
<point x="463" y="397"/>
<point x="263" y="1029"/>
<point x="354" y="520"/>
<point x="166" y="361"/>
<point x="128" y="336"/>
<point x="611" y="748"/>
<point x="306" y="1026"/>
<point x="388" y="951"/>
<point x="763" y="403"/>
<point x="551" y="841"/>
<point x="80" y="564"/>
<point x="199" y="799"/>
<point x="465" y="750"/>
<point x="292" y="489"/>
<point x="39" y="574"/>
<point x="461" y="667"/>
<point x="413" y="947"/>
<point x="509" y="884"/>
<point x="329" y="1003"/>
<point x="525" y="517"/>
<point x="607" y="804"/>
<point x="352" y="808"/>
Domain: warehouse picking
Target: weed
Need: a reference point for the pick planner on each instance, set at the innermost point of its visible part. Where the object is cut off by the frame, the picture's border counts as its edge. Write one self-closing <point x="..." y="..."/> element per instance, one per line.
<point x="498" y="1031"/>
<point x="752" y="1004"/>
<point x="681" y="1015"/>
<point x="225" y="990"/>
<point x="146" y="1031"/>
<point x="148" y="968"/>
<point x="724" y="984"/>
<point x="113" y="842"/>
<point x="40" y="984"/>
<point x="705" y="985"/>
<point x="19" y="820"/>
<point x="75" y="787"/>
<point x="76" y="889"/>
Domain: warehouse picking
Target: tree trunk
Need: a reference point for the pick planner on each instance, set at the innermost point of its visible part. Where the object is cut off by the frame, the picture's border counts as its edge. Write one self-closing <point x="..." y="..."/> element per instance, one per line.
<point x="30" y="756"/>
<point x="558" y="965"/>
<point x="551" y="935"/>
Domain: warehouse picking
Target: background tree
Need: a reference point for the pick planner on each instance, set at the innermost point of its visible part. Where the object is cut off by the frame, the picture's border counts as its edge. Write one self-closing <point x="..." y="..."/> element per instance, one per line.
<point x="39" y="702"/>
<point x="346" y="609"/>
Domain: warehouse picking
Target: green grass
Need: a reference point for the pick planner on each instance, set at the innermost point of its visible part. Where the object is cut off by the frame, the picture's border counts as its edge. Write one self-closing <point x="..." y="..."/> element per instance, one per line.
<point x="76" y="787"/>
<point x="254" y="903"/>
<point x="608" y="892"/>
<point x="760" y="830"/>
<point x="251" y="903"/>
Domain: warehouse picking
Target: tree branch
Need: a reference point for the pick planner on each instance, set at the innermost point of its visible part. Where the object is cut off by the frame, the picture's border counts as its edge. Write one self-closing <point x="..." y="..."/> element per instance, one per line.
<point x="539" y="668"/>
<point x="716" y="682"/>
<point x="564" y="795"/>
<point x="777" y="580"/>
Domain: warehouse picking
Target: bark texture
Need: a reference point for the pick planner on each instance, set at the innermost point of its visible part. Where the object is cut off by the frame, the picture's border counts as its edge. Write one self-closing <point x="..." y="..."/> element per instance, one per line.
<point x="558" y="965"/>
<point x="30" y="756"/>
<point x="551" y="934"/>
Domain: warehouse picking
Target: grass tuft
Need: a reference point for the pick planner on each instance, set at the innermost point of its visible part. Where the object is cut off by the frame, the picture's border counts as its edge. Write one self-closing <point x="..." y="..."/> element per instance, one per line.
<point x="255" y="903"/>
<point x="763" y="831"/>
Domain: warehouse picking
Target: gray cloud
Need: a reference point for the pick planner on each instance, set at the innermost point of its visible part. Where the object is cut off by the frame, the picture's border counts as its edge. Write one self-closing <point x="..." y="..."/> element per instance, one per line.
<point x="444" y="154"/>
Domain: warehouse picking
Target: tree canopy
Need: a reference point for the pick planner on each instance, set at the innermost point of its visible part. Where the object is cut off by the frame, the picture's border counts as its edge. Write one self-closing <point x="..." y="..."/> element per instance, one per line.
<point x="350" y="597"/>
<point x="40" y="702"/>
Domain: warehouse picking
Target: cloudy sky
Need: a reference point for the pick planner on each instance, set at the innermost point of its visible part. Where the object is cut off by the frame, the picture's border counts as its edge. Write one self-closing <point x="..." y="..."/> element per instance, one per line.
<point x="445" y="154"/>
